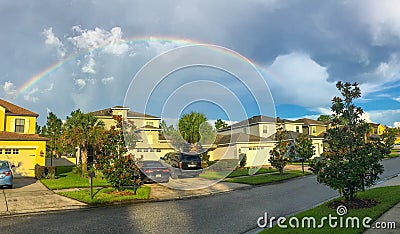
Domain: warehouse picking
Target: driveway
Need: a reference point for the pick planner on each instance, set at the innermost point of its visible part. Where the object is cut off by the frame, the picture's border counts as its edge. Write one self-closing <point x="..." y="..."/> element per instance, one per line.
<point x="29" y="195"/>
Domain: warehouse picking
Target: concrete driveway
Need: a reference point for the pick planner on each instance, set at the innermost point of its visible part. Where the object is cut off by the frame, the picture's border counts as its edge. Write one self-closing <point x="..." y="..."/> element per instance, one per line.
<point x="29" y="195"/>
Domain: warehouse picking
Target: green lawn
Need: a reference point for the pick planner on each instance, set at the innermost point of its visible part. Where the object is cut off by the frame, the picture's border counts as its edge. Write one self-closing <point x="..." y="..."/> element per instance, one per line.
<point x="267" y="178"/>
<point x="72" y="180"/>
<point x="106" y="195"/>
<point x="210" y="174"/>
<point x="387" y="197"/>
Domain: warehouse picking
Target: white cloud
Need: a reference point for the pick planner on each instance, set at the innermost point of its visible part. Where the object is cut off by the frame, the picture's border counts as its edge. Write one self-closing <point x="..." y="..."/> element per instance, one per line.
<point x="9" y="89"/>
<point x="29" y="97"/>
<point x="396" y="99"/>
<point x="89" y="66"/>
<point x="49" y="88"/>
<point x="298" y="79"/>
<point x="53" y="41"/>
<point x="80" y="82"/>
<point x="107" y="80"/>
<point x="385" y="117"/>
<point x="396" y="124"/>
<point x="365" y="116"/>
<point x="111" y="41"/>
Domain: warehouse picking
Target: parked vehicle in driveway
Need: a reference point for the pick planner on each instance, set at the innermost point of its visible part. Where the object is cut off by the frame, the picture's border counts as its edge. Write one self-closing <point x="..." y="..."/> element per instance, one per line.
<point x="183" y="164"/>
<point x="6" y="174"/>
<point x="154" y="171"/>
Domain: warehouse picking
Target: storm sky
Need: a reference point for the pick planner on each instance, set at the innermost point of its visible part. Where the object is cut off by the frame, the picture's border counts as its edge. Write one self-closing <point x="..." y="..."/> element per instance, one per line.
<point x="85" y="54"/>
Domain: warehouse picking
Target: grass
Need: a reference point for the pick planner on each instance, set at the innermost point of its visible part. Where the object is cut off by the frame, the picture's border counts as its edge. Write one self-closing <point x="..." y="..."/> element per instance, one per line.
<point x="209" y="174"/>
<point x="387" y="197"/>
<point x="393" y="154"/>
<point x="72" y="180"/>
<point x="107" y="195"/>
<point x="267" y="178"/>
<point x="63" y="169"/>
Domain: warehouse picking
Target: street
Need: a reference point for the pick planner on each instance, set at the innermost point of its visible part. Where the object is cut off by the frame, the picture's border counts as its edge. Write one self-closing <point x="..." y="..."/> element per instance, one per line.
<point x="233" y="212"/>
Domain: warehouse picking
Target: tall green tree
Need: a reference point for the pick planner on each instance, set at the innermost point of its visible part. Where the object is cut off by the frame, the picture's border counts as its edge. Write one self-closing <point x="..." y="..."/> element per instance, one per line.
<point x="324" y="118"/>
<point x="350" y="162"/>
<point x="219" y="124"/>
<point x="83" y="130"/>
<point x="53" y="130"/>
<point x="194" y="129"/>
<point x="279" y="154"/>
<point x="302" y="149"/>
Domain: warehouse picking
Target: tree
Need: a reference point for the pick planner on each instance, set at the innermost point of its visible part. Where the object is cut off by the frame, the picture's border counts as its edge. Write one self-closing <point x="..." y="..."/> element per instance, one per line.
<point x="53" y="131"/>
<point x="117" y="166"/>
<point x="194" y="129"/>
<point x="279" y="154"/>
<point x="83" y="130"/>
<point x="302" y="149"/>
<point x="324" y="118"/>
<point x="350" y="161"/>
<point x="219" y="124"/>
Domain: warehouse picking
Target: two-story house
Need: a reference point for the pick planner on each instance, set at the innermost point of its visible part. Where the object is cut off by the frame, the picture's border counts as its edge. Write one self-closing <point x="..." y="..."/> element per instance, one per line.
<point x="151" y="144"/>
<point x="255" y="137"/>
<point x="312" y="127"/>
<point x="18" y="142"/>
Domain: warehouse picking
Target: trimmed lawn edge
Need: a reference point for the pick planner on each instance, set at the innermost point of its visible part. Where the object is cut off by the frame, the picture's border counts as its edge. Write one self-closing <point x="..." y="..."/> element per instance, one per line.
<point x="262" y="179"/>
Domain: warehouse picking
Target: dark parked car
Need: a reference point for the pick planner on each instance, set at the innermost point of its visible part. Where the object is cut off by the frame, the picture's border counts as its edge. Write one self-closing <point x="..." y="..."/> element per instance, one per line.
<point x="154" y="171"/>
<point x="6" y="174"/>
<point x="183" y="164"/>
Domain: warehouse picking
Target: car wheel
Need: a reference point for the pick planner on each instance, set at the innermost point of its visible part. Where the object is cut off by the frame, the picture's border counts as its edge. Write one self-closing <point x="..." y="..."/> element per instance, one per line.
<point x="10" y="186"/>
<point x="174" y="175"/>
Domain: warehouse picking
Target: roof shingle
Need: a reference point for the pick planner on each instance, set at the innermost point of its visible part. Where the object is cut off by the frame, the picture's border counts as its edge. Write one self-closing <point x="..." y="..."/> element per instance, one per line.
<point x="9" y="136"/>
<point x="12" y="109"/>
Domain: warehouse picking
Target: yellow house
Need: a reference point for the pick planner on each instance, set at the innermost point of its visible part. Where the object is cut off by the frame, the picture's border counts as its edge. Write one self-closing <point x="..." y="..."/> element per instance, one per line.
<point x="18" y="142"/>
<point x="376" y="129"/>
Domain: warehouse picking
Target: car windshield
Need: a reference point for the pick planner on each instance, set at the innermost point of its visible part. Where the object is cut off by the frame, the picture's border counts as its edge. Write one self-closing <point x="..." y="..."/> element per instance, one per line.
<point x="190" y="157"/>
<point x="3" y="165"/>
<point x="152" y="164"/>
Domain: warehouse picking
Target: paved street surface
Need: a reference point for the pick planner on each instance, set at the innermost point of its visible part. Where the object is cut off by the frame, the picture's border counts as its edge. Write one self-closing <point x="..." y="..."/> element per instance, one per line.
<point x="232" y="212"/>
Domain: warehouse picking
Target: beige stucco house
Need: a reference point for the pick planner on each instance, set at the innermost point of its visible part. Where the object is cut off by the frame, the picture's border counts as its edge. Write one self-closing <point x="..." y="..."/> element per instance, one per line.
<point x="151" y="145"/>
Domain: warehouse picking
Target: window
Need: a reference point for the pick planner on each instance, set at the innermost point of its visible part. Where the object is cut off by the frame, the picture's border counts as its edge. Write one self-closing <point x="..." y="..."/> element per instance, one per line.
<point x="139" y="150"/>
<point x="158" y="150"/>
<point x="297" y="128"/>
<point x="265" y="129"/>
<point x="151" y="150"/>
<point x="314" y="129"/>
<point x="244" y="130"/>
<point x="19" y="125"/>
<point x="1" y="151"/>
<point x="15" y="151"/>
<point x="150" y="123"/>
<point x="7" y="151"/>
<point x="145" y="150"/>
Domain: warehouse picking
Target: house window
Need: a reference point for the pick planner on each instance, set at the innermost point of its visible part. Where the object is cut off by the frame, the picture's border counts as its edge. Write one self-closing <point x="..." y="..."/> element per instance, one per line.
<point x="15" y="151"/>
<point x="158" y="150"/>
<point x="139" y="150"/>
<point x="265" y="129"/>
<point x="19" y="125"/>
<point x="145" y="150"/>
<point x="297" y="128"/>
<point x="244" y="130"/>
<point x="1" y="151"/>
<point x="150" y="123"/>
<point x="7" y="151"/>
<point x="313" y="129"/>
<point x="151" y="150"/>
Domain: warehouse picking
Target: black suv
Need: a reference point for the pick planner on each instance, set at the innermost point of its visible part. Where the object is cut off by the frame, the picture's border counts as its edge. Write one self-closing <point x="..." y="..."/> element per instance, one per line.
<point x="183" y="164"/>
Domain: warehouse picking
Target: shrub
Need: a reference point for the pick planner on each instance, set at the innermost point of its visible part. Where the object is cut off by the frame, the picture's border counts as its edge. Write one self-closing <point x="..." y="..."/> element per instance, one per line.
<point x="42" y="171"/>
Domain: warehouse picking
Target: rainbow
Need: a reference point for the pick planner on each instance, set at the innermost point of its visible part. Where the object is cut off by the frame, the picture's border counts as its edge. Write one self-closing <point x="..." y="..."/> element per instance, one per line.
<point x="54" y="67"/>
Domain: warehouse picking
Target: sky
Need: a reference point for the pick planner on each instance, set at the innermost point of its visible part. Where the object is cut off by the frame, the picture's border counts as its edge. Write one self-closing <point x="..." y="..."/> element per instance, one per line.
<point x="228" y="59"/>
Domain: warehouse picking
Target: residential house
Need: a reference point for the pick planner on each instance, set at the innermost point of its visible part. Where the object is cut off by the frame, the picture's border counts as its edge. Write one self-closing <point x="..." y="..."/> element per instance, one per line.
<point x="18" y="142"/>
<point x="255" y="137"/>
<point x="376" y="129"/>
<point x="151" y="145"/>
<point x="312" y="127"/>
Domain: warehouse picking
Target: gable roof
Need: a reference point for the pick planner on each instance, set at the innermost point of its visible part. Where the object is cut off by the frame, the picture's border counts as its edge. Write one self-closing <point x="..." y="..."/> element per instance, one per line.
<point x="307" y="121"/>
<point x="132" y="114"/>
<point x="12" y="109"/>
<point x="10" y="136"/>
<point x="239" y="137"/>
<point x="254" y="120"/>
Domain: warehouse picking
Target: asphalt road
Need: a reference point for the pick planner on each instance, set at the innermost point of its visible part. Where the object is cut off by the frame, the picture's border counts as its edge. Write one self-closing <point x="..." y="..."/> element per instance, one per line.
<point x="233" y="212"/>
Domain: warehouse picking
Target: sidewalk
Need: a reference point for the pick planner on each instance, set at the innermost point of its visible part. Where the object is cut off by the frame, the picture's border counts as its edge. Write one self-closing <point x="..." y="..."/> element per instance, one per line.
<point x="391" y="215"/>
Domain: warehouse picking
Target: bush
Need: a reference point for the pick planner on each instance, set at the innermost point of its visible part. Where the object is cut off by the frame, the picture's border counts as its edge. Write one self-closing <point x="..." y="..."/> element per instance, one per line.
<point x="43" y="171"/>
<point x="243" y="160"/>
